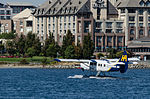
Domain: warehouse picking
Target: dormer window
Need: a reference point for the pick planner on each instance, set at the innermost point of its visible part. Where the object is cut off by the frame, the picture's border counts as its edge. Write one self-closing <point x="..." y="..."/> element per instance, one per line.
<point x="80" y="2"/>
<point x="148" y="3"/>
<point x="59" y="2"/>
<point x="142" y="3"/>
<point x="50" y="2"/>
<point x="70" y="3"/>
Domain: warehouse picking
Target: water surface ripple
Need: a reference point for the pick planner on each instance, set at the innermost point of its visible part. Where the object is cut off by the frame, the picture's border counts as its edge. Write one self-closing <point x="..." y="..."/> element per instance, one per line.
<point x="54" y="84"/>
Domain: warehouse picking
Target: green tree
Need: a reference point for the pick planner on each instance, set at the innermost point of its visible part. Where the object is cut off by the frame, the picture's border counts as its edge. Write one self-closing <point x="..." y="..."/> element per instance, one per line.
<point x="20" y="44"/>
<point x="67" y="40"/>
<point x="10" y="46"/>
<point x="51" y="51"/>
<point x="100" y="55"/>
<point x="37" y="46"/>
<point x="78" y="51"/>
<point x="70" y="52"/>
<point x="111" y="52"/>
<point x="1" y="48"/>
<point x="31" y="52"/>
<point x="88" y="47"/>
<point x="48" y="41"/>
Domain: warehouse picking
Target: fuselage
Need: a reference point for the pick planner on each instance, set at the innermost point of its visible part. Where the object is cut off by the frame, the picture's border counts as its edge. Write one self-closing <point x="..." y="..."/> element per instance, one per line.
<point x="100" y="65"/>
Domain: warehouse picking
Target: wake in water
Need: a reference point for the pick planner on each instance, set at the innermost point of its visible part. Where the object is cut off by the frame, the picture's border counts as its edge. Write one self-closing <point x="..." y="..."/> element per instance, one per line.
<point x="92" y="77"/>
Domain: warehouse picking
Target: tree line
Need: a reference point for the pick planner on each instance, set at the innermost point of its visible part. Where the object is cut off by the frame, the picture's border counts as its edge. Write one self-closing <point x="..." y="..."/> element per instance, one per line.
<point x="30" y="46"/>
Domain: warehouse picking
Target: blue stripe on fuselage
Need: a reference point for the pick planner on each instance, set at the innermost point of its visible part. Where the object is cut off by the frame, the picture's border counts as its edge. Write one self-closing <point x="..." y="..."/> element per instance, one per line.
<point x="114" y="69"/>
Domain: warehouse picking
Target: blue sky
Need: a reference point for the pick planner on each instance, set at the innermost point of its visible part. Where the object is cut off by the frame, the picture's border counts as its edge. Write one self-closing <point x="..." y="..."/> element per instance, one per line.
<point x="34" y="2"/>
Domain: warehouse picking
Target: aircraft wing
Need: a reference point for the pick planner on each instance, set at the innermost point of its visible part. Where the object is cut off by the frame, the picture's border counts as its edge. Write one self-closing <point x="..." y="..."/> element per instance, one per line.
<point x="71" y="60"/>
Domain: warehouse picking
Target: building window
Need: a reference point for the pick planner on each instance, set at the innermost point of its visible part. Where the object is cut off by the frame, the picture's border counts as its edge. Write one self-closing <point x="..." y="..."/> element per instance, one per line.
<point x="74" y="31"/>
<point x="119" y="31"/>
<point x="131" y="18"/>
<point x="119" y="24"/>
<point x="2" y="12"/>
<point x="60" y="26"/>
<point x="148" y="3"/>
<point x="49" y="26"/>
<point x="6" y="31"/>
<point x="131" y="10"/>
<point x="131" y="24"/>
<point x="98" y="24"/>
<point x="109" y="39"/>
<point x="149" y="24"/>
<point x="49" y="19"/>
<point x="60" y="19"/>
<point x="131" y="38"/>
<point x="149" y="12"/>
<point x="141" y="11"/>
<point x="64" y="18"/>
<point x="21" y="23"/>
<point x="108" y="24"/>
<point x="142" y="3"/>
<point x="120" y="39"/>
<point x="42" y="27"/>
<point x="149" y="32"/>
<point x="38" y="27"/>
<point x="148" y="18"/>
<point x="42" y="20"/>
<point x="108" y="30"/>
<point x="122" y="10"/>
<point x="140" y="18"/>
<point x="99" y="39"/>
<point x="69" y="19"/>
<point x="141" y="24"/>
<point x="132" y="31"/>
<point x="8" y="17"/>
<point x="38" y="20"/>
<point x="74" y="18"/>
<point x="53" y="19"/>
<point x="8" y="12"/>
<point x="6" y="24"/>
<point x="65" y="26"/>
<point x="73" y="25"/>
<point x="53" y="26"/>
<point x="141" y="32"/>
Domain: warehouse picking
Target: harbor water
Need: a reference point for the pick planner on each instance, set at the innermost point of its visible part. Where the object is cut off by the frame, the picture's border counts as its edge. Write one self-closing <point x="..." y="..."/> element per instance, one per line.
<point x="55" y="84"/>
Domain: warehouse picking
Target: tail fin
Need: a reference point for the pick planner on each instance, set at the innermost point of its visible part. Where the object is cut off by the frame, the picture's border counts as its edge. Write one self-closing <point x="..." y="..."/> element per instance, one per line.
<point x="124" y="59"/>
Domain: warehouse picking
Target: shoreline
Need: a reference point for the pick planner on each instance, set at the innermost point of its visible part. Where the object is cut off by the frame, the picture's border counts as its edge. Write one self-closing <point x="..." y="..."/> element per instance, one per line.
<point x="61" y="66"/>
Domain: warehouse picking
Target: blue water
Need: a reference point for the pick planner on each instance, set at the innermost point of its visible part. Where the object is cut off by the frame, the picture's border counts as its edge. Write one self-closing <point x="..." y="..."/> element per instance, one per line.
<point x="54" y="84"/>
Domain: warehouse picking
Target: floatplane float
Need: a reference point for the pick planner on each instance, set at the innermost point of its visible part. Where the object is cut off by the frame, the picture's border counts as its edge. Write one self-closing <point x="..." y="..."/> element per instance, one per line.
<point x="104" y="65"/>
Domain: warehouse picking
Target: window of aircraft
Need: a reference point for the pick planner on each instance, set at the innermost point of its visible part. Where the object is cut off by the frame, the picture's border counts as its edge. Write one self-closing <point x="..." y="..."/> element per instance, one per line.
<point x="99" y="64"/>
<point x="104" y="65"/>
<point x="142" y="3"/>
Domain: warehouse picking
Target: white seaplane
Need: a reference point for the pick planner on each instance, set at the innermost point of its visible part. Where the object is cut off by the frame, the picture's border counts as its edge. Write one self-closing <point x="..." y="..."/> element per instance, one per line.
<point x="106" y="65"/>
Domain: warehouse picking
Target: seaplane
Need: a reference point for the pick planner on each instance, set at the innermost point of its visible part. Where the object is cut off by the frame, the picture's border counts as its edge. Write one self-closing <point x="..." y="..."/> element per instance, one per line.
<point x="104" y="65"/>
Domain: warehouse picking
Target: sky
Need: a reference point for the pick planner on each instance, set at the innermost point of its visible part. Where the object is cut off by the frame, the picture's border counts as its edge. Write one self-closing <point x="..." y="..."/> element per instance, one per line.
<point x="34" y="2"/>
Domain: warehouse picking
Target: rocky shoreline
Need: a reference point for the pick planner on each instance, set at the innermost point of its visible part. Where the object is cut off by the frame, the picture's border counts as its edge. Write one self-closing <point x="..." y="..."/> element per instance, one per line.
<point x="142" y="65"/>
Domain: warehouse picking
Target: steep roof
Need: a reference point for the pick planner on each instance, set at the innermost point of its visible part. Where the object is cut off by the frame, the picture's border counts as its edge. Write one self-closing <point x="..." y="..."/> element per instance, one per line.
<point x="19" y="4"/>
<point x="62" y="7"/>
<point x="24" y="14"/>
<point x="132" y="3"/>
<point x="142" y="42"/>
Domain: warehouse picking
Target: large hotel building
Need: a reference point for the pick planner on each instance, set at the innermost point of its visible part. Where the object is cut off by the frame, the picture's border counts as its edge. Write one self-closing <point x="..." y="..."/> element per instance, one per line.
<point x="111" y="23"/>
